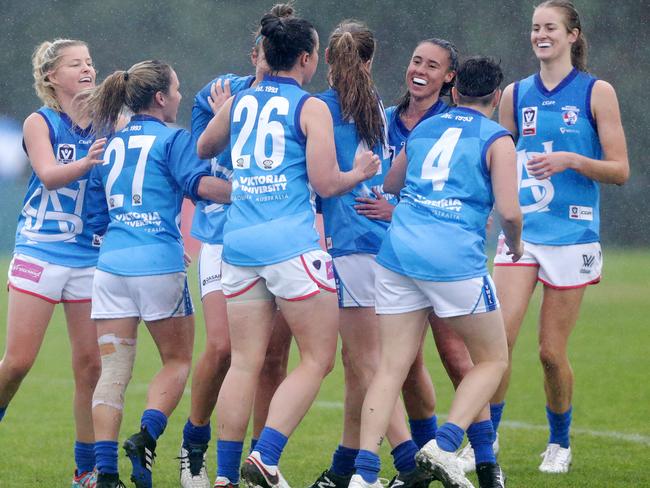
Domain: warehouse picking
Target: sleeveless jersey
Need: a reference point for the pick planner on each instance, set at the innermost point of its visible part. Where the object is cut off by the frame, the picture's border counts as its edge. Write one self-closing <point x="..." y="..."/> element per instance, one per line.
<point x="347" y="232"/>
<point x="52" y="223"/>
<point x="271" y="218"/>
<point x="397" y="131"/>
<point x="438" y="227"/>
<point x="210" y="217"/>
<point x="562" y="209"/>
<point x="148" y="169"/>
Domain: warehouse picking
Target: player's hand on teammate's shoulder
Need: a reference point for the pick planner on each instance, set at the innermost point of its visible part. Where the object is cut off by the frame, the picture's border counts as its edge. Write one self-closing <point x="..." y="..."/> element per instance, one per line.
<point x="95" y="153"/>
<point x="367" y="164"/>
<point x="219" y="93"/>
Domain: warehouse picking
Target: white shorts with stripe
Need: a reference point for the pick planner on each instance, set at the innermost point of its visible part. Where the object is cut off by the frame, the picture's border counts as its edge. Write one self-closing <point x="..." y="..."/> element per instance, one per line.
<point x="297" y="278"/>
<point x="355" y="280"/>
<point x="51" y="282"/>
<point x="154" y="297"/>
<point x="560" y="267"/>
<point x="397" y="293"/>
<point x="210" y="268"/>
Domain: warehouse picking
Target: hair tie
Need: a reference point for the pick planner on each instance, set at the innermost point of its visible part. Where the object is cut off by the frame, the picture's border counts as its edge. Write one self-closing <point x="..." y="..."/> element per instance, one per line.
<point x="126" y="76"/>
<point x="258" y="39"/>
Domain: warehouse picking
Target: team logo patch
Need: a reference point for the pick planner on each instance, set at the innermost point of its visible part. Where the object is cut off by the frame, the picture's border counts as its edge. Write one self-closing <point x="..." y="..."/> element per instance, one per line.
<point x="529" y="121"/>
<point x="577" y="212"/>
<point x="242" y="162"/>
<point x="65" y="153"/>
<point x="570" y="117"/>
<point x="26" y="270"/>
<point x="97" y="240"/>
<point x="588" y="261"/>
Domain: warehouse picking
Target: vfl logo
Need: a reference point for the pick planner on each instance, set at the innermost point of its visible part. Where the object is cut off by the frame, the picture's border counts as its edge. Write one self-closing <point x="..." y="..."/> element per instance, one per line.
<point x="529" y="121"/>
<point x="588" y="260"/>
<point x="65" y="153"/>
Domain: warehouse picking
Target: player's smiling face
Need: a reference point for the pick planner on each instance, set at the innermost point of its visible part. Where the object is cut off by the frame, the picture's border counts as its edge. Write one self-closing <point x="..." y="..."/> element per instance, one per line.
<point x="549" y="36"/>
<point x="74" y="72"/>
<point x="428" y="70"/>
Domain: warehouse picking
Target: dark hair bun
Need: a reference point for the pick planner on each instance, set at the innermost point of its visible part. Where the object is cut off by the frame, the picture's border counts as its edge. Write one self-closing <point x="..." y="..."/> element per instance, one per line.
<point x="273" y="26"/>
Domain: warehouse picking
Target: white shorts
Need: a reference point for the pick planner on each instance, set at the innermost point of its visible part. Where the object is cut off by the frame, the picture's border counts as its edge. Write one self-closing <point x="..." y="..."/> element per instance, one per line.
<point x="295" y="279"/>
<point x="397" y="293"/>
<point x="151" y="298"/>
<point x="51" y="282"/>
<point x="210" y="268"/>
<point x="560" y="267"/>
<point x="355" y="280"/>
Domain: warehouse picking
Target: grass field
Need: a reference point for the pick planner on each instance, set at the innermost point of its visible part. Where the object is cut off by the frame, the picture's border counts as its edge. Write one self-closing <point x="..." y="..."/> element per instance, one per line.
<point x="610" y="353"/>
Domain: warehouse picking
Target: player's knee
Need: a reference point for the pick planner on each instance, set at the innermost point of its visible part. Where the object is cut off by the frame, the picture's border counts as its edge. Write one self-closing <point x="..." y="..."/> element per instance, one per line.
<point x="87" y="367"/>
<point x="549" y="357"/>
<point x="117" y="358"/>
<point x="16" y="368"/>
<point x="275" y="367"/>
<point x="218" y="352"/>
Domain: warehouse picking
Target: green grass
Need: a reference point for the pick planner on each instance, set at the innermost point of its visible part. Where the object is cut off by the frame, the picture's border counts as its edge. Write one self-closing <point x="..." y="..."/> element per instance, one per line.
<point x="609" y="351"/>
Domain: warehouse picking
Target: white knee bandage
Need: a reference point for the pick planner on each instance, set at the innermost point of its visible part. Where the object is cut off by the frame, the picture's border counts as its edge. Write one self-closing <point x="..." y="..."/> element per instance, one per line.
<point x="118" y="356"/>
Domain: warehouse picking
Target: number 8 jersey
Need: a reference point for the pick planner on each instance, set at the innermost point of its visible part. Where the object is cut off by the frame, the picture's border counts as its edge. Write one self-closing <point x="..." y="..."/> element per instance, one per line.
<point x="438" y="228"/>
<point x="52" y="224"/>
<point x="271" y="218"/>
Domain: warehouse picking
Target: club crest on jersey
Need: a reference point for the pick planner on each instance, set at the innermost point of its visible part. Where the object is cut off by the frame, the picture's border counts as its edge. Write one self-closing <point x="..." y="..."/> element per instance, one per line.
<point x="65" y="153"/>
<point x="529" y="121"/>
<point x="570" y="117"/>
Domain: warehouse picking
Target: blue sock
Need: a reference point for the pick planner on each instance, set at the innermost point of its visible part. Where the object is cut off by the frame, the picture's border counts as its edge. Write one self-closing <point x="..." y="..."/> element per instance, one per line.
<point x="560" y="423"/>
<point x="154" y="421"/>
<point x="343" y="460"/>
<point x="106" y="456"/>
<point x="253" y="444"/>
<point x="367" y="465"/>
<point x="84" y="456"/>
<point x="496" y="410"/>
<point x="270" y="445"/>
<point x="423" y="430"/>
<point x="481" y="437"/>
<point x="449" y="437"/>
<point x="3" y="410"/>
<point x="196" y="434"/>
<point x="228" y="459"/>
<point x="404" y="456"/>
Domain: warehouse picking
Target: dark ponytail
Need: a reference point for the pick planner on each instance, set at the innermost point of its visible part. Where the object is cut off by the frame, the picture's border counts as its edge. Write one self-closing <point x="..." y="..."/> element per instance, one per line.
<point x="351" y="46"/>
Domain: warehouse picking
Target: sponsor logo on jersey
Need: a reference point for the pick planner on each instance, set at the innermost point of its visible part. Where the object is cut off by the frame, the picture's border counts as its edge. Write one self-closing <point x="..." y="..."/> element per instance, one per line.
<point x="211" y="279"/>
<point x="26" y="270"/>
<point x="546" y="103"/>
<point x="328" y="242"/>
<point x="97" y="240"/>
<point x="262" y="184"/>
<point x="576" y="212"/>
<point x="65" y="153"/>
<point x="529" y="121"/>
<point x="242" y="162"/>
<point x="567" y="130"/>
<point x="329" y="269"/>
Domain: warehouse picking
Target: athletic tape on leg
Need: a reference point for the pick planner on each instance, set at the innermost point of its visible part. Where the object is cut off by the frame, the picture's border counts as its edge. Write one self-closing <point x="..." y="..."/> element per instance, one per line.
<point x="118" y="356"/>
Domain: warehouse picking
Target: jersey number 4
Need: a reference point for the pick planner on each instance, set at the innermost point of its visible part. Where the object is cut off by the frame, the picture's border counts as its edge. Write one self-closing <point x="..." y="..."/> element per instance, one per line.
<point x="440" y="153"/>
<point x="117" y="150"/>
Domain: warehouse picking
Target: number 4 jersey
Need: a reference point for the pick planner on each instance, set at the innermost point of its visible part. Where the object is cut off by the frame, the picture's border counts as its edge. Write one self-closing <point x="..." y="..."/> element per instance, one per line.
<point x="438" y="228"/>
<point x="52" y="224"/>
<point x="148" y="168"/>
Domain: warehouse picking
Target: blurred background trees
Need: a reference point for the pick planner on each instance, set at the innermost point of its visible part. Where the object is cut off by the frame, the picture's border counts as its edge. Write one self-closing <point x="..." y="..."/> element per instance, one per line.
<point x="204" y="38"/>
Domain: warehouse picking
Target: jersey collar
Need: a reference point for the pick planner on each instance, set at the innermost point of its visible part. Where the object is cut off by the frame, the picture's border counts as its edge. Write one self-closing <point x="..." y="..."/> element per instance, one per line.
<point x="549" y="93"/>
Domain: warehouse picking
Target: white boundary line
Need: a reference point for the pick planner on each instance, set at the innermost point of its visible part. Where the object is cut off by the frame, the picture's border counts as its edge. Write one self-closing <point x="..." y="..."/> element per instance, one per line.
<point x="514" y="424"/>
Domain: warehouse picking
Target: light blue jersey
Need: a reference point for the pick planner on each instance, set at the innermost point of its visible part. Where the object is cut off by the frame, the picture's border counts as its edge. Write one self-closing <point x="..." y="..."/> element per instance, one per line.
<point x="562" y="209"/>
<point x="271" y="218"/>
<point x="210" y="217"/>
<point x="148" y="169"/>
<point x="347" y="232"/>
<point x="52" y="224"/>
<point x="438" y="228"/>
<point x="397" y="131"/>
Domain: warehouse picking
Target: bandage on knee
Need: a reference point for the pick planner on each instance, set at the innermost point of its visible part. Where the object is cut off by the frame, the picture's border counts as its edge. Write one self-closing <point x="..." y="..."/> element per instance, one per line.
<point x="118" y="356"/>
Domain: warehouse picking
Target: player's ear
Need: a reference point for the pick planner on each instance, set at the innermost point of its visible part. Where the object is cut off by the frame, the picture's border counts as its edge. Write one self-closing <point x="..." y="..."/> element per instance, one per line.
<point x="327" y="55"/>
<point x="159" y="98"/>
<point x="497" y="98"/>
<point x="454" y="95"/>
